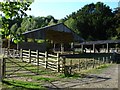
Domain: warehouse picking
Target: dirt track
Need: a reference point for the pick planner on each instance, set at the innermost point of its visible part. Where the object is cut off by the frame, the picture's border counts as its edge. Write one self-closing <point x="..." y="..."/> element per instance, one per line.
<point x="107" y="79"/>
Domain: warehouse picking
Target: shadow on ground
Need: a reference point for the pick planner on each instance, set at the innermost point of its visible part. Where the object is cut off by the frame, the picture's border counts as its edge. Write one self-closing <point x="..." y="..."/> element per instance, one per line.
<point x="71" y="83"/>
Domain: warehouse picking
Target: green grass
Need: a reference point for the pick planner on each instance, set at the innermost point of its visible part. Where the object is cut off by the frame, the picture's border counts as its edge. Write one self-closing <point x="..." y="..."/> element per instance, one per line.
<point x="46" y="75"/>
<point x="23" y="84"/>
<point x="45" y="79"/>
<point x="84" y="73"/>
<point x="72" y="75"/>
<point x="96" y="70"/>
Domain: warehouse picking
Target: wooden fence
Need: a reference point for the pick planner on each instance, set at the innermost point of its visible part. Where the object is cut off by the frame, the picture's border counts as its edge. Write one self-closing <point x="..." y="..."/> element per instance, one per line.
<point x="10" y="52"/>
<point x="59" y="64"/>
<point x="41" y="59"/>
<point x="78" y="64"/>
<point x="55" y="62"/>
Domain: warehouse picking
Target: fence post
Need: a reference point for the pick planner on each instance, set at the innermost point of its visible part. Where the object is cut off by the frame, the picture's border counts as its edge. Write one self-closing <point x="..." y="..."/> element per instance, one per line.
<point x="7" y="52"/>
<point x="106" y="59"/>
<point x="3" y="68"/>
<point x="86" y="63"/>
<point x="63" y="64"/>
<point x="103" y="60"/>
<point x="98" y="61"/>
<point x="46" y="56"/>
<point x="29" y="56"/>
<point x="37" y="58"/>
<point x="0" y="69"/>
<point x="21" y="55"/>
<point x="79" y="65"/>
<point x="71" y="67"/>
<point x="58" y="65"/>
<point x="93" y="62"/>
<point x="111" y="61"/>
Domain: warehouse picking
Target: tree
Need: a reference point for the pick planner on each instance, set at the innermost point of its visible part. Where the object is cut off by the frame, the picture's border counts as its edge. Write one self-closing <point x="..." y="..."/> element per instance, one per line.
<point x="13" y="11"/>
<point x="72" y="24"/>
<point x="37" y="22"/>
<point x="93" y="22"/>
<point x="117" y="18"/>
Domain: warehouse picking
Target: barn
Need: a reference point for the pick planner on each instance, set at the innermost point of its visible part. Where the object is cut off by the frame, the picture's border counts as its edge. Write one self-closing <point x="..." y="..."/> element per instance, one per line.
<point x="50" y="38"/>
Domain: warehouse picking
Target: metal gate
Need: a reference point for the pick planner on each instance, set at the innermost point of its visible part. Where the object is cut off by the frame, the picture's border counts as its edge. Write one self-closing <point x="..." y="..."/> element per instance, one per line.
<point x="15" y="67"/>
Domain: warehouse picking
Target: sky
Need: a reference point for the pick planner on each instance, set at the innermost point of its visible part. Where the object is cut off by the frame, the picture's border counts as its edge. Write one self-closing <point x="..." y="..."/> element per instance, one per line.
<point x="60" y="8"/>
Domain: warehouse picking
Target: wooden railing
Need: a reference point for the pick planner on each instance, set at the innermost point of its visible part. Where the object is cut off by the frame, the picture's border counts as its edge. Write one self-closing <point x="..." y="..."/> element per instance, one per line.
<point x="57" y="63"/>
<point x="43" y="59"/>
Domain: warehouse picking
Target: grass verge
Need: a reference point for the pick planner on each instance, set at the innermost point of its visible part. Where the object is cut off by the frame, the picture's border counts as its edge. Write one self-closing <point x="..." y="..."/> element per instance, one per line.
<point x="44" y="79"/>
<point x="84" y="73"/>
<point x="96" y="70"/>
<point x="22" y="84"/>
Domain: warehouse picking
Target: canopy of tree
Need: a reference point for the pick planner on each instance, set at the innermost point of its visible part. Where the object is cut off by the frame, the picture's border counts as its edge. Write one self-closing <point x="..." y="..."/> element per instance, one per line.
<point x="94" y="22"/>
<point x="13" y="14"/>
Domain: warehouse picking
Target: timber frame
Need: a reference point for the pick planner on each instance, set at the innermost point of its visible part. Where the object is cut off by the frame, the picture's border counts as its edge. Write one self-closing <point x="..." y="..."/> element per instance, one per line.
<point x="106" y="45"/>
<point x="57" y="36"/>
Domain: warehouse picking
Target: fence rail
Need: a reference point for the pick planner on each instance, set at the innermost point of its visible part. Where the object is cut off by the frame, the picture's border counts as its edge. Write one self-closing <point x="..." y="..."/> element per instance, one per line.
<point x="44" y="59"/>
<point x="55" y="62"/>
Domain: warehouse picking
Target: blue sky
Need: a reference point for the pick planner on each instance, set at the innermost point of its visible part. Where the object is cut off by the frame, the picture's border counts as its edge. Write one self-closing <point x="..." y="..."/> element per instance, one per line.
<point x="60" y="8"/>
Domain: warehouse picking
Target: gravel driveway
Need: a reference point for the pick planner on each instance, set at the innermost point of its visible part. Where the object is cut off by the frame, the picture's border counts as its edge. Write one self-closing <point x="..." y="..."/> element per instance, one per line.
<point x="108" y="79"/>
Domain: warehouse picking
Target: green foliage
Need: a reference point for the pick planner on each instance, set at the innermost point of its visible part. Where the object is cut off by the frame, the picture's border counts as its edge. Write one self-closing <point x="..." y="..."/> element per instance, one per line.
<point x="117" y="18"/>
<point x="30" y="40"/>
<point x="93" y="22"/>
<point x="29" y="24"/>
<point x="72" y="24"/>
<point x="103" y="66"/>
<point x="23" y="84"/>
<point x="39" y="40"/>
<point x="13" y="13"/>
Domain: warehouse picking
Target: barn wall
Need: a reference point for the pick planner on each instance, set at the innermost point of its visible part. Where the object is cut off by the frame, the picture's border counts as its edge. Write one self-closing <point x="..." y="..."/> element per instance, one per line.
<point x="33" y="46"/>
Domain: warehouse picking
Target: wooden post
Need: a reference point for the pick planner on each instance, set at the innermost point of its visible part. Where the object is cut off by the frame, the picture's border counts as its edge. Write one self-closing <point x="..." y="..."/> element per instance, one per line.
<point x="106" y="60"/>
<point x="111" y="61"/>
<point x="58" y="65"/>
<point x="103" y="60"/>
<point x="72" y="47"/>
<point x="29" y="56"/>
<point x="62" y="48"/>
<point x="70" y="66"/>
<point x="93" y="48"/>
<point x="86" y="63"/>
<point x="90" y="50"/>
<point x="3" y="68"/>
<point x="37" y="59"/>
<point x="63" y="64"/>
<point x="14" y="51"/>
<point x="107" y="48"/>
<point x="82" y="47"/>
<point x="98" y="61"/>
<point x="7" y="52"/>
<point x="46" y="56"/>
<point x="21" y="55"/>
<point x="54" y="47"/>
<point x="115" y="47"/>
<point x="0" y="69"/>
<point x="94" y="63"/>
<point x="79" y="65"/>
